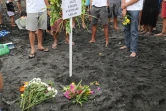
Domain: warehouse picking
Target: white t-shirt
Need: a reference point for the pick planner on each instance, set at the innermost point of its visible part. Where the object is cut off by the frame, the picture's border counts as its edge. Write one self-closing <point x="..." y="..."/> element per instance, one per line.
<point x="136" y="6"/>
<point x="99" y="3"/>
<point x="35" y="6"/>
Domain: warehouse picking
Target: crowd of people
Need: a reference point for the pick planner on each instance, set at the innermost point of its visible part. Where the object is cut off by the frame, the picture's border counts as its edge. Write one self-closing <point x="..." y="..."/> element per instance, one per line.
<point x="143" y="19"/>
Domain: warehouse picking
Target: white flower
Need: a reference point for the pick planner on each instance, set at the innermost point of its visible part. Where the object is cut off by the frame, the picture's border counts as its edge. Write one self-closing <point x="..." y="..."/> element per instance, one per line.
<point x="56" y="92"/>
<point x="49" y="88"/>
<point x="38" y="79"/>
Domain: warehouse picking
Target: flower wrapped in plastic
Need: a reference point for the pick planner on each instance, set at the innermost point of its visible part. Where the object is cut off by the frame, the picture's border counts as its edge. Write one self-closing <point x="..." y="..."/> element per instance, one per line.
<point x="34" y="92"/>
<point x="78" y="93"/>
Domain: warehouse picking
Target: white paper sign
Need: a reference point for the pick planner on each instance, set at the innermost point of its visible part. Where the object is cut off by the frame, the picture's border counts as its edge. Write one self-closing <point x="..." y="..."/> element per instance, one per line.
<point x="71" y="8"/>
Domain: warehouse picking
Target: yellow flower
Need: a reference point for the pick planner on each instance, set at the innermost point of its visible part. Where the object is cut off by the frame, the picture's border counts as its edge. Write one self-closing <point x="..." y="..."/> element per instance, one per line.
<point x="128" y="21"/>
<point x="22" y="95"/>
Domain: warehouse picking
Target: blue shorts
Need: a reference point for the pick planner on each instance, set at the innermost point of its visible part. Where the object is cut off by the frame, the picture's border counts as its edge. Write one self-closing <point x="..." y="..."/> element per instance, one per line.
<point x="87" y="3"/>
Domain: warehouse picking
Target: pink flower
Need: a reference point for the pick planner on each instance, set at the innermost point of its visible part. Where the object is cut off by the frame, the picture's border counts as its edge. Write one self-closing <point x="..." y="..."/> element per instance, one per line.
<point x="66" y="94"/>
<point x="91" y="92"/>
<point x="98" y="88"/>
<point x="72" y="88"/>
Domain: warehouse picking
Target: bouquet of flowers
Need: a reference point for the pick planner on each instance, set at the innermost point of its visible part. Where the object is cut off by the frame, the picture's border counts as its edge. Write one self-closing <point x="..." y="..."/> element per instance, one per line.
<point x="126" y="20"/>
<point x="77" y="92"/>
<point x="35" y="92"/>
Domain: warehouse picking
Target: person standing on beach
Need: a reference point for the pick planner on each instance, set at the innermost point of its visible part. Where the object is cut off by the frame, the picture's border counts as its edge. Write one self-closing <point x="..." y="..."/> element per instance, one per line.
<point x="36" y="21"/>
<point x="131" y="8"/>
<point x="99" y="10"/>
<point x="114" y="6"/>
<point x="163" y="14"/>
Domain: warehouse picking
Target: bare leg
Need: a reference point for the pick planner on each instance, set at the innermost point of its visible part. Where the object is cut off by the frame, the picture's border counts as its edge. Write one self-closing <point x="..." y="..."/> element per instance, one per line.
<point x="115" y="23"/>
<point x="106" y="34"/>
<point x="12" y="21"/>
<point x="67" y="39"/>
<point x="0" y="18"/>
<point x="163" y="32"/>
<point x="1" y="82"/>
<point x="40" y="39"/>
<point x="54" y="45"/>
<point x="73" y="23"/>
<point x="83" y="22"/>
<point x="19" y="5"/>
<point x="32" y="41"/>
<point x="164" y="26"/>
<point x="94" y="29"/>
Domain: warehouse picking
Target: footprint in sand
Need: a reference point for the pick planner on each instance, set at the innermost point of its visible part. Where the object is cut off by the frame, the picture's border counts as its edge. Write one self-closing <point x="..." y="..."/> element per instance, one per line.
<point x="138" y="104"/>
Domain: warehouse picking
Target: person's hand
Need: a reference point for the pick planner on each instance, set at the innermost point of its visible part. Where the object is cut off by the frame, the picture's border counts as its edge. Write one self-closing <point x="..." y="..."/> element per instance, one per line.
<point x="48" y="12"/>
<point x="124" y="11"/>
<point x="123" y="6"/>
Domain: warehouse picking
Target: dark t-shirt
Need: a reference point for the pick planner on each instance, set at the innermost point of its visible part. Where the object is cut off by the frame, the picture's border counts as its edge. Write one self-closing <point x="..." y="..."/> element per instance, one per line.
<point x="10" y="6"/>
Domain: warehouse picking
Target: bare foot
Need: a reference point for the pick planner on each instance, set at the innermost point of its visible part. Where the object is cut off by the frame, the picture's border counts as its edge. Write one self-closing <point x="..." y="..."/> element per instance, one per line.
<point x="106" y="45"/>
<point x="67" y="42"/>
<point x="116" y="28"/>
<point x="160" y="34"/>
<point x="133" y="54"/>
<point x="54" y="46"/>
<point x="83" y="25"/>
<point x="92" y="41"/>
<point x="123" y="47"/>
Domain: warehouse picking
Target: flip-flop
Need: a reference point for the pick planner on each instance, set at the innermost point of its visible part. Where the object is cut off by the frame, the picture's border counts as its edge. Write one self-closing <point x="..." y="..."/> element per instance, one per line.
<point x="32" y="55"/>
<point x="44" y="50"/>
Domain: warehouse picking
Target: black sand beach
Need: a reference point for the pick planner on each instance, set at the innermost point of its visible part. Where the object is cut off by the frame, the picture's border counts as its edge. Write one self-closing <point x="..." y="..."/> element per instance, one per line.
<point x="127" y="84"/>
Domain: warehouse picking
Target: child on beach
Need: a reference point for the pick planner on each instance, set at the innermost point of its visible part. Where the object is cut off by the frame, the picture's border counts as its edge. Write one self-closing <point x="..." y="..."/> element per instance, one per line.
<point x="21" y="22"/>
<point x="10" y="11"/>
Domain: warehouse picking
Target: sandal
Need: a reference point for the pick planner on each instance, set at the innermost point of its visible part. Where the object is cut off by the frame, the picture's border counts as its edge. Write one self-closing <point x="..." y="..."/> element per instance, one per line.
<point x="54" y="46"/>
<point x="32" y="55"/>
<point x="44" y="50"/>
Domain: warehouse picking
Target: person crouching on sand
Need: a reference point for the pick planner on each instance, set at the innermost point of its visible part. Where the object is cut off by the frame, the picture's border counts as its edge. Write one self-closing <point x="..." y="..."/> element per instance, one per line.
<point x="99" y="9"/>
<point x="131" y="8"/>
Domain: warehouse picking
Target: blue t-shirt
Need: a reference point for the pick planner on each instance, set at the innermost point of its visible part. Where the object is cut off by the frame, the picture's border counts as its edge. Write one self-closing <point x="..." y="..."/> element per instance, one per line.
<point x="87" y="3"/>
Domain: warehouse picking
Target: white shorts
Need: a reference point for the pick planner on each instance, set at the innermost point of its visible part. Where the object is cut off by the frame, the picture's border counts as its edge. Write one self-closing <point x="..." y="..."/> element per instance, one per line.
<point x="36" y="21"/>
<point x="10" y="13"/>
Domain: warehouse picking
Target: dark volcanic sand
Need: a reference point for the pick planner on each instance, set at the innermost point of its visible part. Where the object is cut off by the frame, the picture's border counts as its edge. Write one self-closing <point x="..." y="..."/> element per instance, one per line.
<point x="127" y="84"/>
